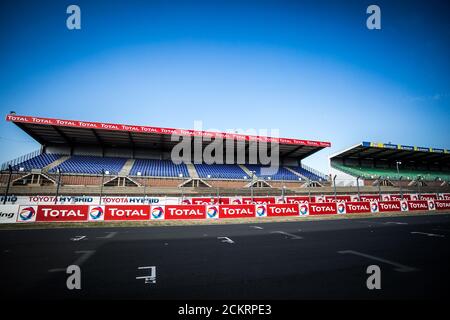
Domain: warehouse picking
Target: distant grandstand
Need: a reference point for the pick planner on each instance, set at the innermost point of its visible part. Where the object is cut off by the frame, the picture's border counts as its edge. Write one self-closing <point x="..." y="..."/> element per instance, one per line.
<point x="391" y="164"/>
<point x="79" y="153"/>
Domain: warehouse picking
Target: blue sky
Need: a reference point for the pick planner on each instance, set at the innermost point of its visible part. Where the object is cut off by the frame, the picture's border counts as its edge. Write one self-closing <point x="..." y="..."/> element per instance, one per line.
<point x="308" y="68"/>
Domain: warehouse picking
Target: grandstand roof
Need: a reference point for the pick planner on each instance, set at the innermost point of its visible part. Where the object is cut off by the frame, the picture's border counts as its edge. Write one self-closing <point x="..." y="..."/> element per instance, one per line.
<point x="394" y="152"/>
<point x="50" y="131"/>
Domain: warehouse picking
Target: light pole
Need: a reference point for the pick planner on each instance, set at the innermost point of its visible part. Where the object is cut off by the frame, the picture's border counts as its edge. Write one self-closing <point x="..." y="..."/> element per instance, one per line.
<point x="357" y="185"/>
<point x="8" y="184"/>
<point x="379" y="188"/>
<point x="182" y="194"/>
<point x="283" y="190"/>
<point x="58" y="184"/>
<point x="101" y="187"/>
<point x="334" y="186"/>
<point x="251" y="184"/>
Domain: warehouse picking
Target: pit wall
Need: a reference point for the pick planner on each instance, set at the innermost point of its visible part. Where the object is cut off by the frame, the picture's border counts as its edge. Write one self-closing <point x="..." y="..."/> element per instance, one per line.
<point x="201" y="209"/>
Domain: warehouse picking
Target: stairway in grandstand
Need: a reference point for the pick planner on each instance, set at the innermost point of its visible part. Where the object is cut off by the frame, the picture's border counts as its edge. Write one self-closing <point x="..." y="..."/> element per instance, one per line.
<point x="246" y="170"/>
<point x="296" y="173"/>
<point x="125" y="171"/>
<point x="55" y="163"/>
<point x="191" y="169"/>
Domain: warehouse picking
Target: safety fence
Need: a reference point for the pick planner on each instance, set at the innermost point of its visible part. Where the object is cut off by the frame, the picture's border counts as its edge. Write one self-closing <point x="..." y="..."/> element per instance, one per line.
<point x="140" y="212"/>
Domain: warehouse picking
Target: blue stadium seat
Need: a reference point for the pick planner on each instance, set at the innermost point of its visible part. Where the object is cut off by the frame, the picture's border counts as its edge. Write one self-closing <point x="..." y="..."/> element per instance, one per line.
<point x="220" y="171"/>
<point x="37" y="162"/>
<point x="158" y="168"/>
<point x="91" y="165"/>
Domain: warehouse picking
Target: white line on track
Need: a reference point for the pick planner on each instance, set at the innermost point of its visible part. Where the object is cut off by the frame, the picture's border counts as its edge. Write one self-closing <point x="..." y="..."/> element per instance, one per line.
<point x="290" y="235"/>
<point x="399" y="267"/>
<point x="257" y="227"/>
<point x="394" y="222"/>
<point x="109" y="236"/>
<point x="78" y="238"/>
<point x="85" y="254"/>
<point x="429" y="234"/>
<point x="225" y="239"/>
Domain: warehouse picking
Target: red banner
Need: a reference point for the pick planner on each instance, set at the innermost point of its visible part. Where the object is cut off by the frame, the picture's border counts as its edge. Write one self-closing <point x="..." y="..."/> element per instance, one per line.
<point x="258" y="200"/>
<point x="417" y="205"/>
<point x="282" y="210"/>
<point x="184" y="211"/>
<point x="357" y="207"/>
<point x="237" y="211"/>
<point x="442" y="204"/>
<point x="212" y="200"/>
<point x="369" y="197"/>
<point x="123" y="212"/>
<point x="338" y="199"/>
<point x="157" y="130"/>
<point x="431" y="196"/>
<point x="52" y="213"/>
<point x="386" y="206"/>
<point x="300" y="199"/>
<point x="322" y="208"/>
<point x="398" y="197"/>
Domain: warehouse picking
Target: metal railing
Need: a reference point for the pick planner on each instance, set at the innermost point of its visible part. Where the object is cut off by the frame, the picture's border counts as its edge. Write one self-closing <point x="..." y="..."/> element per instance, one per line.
<point x="20" y="159"/>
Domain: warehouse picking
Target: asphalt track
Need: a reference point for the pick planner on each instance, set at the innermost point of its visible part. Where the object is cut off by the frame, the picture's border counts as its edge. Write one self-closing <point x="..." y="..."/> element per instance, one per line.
<point x="324" y="259"/>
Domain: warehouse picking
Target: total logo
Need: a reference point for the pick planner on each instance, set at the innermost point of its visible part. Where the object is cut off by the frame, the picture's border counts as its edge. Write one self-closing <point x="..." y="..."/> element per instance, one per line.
<point x="96" y="213"/>
<point x="341" y="208"/>
<point x="404" y="206"/>
<point x="374" y="207"/>
<point x="304" y="209"/>
<point x="212" y="212"/>
<point x="157" y="213"/>
<point x="261" y="211"/>
<point x="431" y="205"/>
<point x="27" y="214"/>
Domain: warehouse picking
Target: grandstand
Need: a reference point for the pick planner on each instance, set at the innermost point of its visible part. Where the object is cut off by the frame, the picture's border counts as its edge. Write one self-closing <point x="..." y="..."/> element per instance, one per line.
<point x="79" y="153"/>
<point x="391" y="164"/>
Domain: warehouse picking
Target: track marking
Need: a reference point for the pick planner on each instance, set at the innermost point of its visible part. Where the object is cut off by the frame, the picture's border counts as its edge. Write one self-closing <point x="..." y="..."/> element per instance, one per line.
<point x="78" y="238"/>
<point x="86" y="254"/>
<point x="292" y="236"/>
<point x="225" y="239"/>
<point x="394" y="222"/>
<point x="429" y="234"/>
<point x="256" y="227"/>
<point x="151" y="278"/>
<point x="399" y="267"/>
<point x="109" y="236"/>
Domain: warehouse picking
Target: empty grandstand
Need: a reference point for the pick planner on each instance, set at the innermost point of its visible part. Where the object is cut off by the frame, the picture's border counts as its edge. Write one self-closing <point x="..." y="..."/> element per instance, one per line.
<point x="391" y="164"/>
<point x="78" y="153"/>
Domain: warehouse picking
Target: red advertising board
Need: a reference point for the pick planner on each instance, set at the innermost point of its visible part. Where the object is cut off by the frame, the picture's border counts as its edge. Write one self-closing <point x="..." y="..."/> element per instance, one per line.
<point x="258" y="200"/>
<point x="52" y="213"/>
<point x="124" y="212"/>
<point x="322" y="208"/>
<point x="386" y="206"/>
<point x="282" y="210"/>
<point x="417" y="205"/>
<point x="444" y="196"/>
<point x="398" y="197"/>
<point x="357" y="207"/>
<point x="212" y="200"/>
<point x="237" y="211"/>
<point x="300" y="199"/>
<point x="430" y="196"/>
<point x="184" y="211"/>
<point x="442" y="204"/>
<point x="338" y="198"/>
<point x="370" y="197"/>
